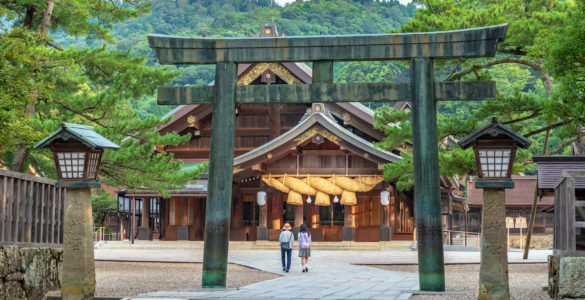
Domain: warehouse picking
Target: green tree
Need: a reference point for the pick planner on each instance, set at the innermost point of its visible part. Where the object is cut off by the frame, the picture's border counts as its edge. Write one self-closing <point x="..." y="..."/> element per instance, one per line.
<point x="563" y="48"/>
<point x="524" y="83"/>
<point x="102" y="205"/>
<point x="45" y="84"/>
<point x="520" y="51"/>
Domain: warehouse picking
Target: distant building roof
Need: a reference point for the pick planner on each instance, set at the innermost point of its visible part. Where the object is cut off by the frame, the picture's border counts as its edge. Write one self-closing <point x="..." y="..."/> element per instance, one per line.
<point x="521" y="195"/>
<point x="194" y="189"/>
<point x="550" y="169"/>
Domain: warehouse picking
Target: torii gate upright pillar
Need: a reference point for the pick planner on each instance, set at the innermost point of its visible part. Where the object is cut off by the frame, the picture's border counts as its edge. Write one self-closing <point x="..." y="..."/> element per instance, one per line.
<point x="427" y="193"/>
<point x="218" y="207"/>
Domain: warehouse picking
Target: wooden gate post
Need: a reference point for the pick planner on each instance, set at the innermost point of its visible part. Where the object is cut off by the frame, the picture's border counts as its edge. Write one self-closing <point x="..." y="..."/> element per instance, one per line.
<point x="426" y="176"/>
<point x="219" y="194"/>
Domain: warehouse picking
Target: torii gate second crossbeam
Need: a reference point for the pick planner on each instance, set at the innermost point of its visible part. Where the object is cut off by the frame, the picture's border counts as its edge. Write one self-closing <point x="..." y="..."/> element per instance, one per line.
<point x="422" y="91"/>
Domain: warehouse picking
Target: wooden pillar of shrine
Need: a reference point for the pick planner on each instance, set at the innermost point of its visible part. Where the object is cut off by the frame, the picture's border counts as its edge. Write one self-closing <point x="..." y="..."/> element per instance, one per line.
<point x="237" y="212"/>
<point x="276" y="210"/>
<point x="314" y="213"/>
<point x="348" y="223"/>
<point x="133" y="220"/>
<point x="144" y="231"/>
<point x="298" y="219"/>
<point x="198" y="220"/>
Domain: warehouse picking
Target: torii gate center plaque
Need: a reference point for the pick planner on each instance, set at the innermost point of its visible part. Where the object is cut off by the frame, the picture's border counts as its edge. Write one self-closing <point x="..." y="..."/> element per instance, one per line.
<point x="422" y="92"/>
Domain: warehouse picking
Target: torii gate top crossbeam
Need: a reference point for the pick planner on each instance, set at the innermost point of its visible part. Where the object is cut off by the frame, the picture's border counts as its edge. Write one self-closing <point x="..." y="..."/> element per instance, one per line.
<point x="475" y="42"/>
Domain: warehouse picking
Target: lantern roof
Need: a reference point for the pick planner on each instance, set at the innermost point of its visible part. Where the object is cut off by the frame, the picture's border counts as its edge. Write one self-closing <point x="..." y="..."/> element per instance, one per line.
<point x="493" y="130"/>
<point x="83" y="133"/>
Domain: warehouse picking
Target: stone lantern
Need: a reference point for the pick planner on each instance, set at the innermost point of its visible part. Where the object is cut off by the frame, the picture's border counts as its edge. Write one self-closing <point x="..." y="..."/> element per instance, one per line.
<point x="495" y="147"/>
<point x="77" y="150"/>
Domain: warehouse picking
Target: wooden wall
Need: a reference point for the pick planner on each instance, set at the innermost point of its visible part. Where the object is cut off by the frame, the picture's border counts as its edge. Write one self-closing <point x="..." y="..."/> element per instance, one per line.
<point x="185" y="212"/>
<point x="255" y="126"/>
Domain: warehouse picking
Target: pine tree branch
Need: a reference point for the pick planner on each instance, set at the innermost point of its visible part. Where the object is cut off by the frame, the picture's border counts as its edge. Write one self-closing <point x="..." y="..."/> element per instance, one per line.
<point x="559" y="148"/>
<point x="546" y="128"/>
<point x="81" y="114"/>
<point x="533" y="115"/>
<point x="54" y="46"/>
<point x="536" y="66"/>
<point x="513" y="52"/>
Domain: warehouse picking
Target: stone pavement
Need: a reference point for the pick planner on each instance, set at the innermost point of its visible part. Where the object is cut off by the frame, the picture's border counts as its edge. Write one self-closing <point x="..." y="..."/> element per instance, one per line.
<point x="326" y="279"/>
<point x="332" y="274"/>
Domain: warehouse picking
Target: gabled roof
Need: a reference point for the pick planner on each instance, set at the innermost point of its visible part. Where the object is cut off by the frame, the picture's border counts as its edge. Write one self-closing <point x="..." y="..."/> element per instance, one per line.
<point x="317" y="118"/>
<point x="494" y="129"/>
<point x="402" y="105"/>
<point x="85" y="134"/>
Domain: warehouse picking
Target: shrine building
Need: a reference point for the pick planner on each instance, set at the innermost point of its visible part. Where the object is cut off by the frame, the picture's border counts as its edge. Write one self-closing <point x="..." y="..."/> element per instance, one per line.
<point x="298" y="163"/>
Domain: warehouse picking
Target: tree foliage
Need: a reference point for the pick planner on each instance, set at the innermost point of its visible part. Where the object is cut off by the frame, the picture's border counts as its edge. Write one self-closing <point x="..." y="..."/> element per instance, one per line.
<point x="524" y="83"/>
<point x="44" y="84"/>
<point x="563" y="48"/>
<point x="103" y="204"/>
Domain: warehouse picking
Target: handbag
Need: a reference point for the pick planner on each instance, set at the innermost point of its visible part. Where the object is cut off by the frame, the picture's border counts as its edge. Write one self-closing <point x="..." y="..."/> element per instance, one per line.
<point x="285" y="245"/>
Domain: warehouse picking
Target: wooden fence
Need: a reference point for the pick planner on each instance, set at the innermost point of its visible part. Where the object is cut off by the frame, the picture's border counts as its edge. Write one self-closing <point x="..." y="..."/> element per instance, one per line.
<point x="31" y="210"/>
<point x="569" y="216"/>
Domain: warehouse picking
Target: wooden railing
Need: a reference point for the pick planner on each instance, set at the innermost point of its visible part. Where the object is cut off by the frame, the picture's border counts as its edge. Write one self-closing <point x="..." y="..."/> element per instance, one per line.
<point x="462" y="238"/>
<point x="31" y="210"/>
<point x="99" y="234"/>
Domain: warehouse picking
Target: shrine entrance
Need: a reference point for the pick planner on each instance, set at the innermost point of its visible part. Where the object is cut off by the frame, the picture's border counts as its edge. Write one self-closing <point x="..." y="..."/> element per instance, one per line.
<point x="422" y="91"/>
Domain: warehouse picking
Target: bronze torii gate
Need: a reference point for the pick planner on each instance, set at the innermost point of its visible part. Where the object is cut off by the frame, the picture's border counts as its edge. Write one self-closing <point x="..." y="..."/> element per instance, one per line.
<point x="422" y="91"/>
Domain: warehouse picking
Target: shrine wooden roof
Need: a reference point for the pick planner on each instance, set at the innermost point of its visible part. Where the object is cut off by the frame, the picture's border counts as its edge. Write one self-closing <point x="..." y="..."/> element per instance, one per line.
<point x="363" y="117"/>
<point x="319" y="120"/>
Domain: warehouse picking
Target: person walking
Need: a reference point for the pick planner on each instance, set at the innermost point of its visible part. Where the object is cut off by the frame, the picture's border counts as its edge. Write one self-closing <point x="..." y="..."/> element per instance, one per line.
<point x="304" y="247"/>
<point x="287" y="242"/>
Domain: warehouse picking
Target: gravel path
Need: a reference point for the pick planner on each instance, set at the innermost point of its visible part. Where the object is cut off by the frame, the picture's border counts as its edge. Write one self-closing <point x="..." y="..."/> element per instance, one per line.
<point x="525" y="280"/>
<point x="133" y="278"/>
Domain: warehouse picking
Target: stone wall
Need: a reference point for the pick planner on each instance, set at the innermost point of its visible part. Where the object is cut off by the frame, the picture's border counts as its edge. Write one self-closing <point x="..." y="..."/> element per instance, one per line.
<point x="29" y="273"/>
<point x="566" y="277"/>
<point x="536" y="242"/>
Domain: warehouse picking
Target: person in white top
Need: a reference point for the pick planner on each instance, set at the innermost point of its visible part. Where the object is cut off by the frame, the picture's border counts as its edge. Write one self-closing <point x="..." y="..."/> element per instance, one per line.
<point x="287" y="243"/>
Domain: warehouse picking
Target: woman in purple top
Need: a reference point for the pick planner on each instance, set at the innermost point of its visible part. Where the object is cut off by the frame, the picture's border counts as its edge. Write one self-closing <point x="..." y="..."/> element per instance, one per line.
<point x="304" y="247"/>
